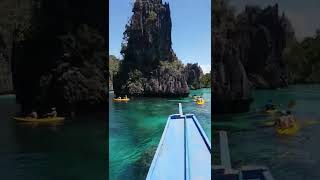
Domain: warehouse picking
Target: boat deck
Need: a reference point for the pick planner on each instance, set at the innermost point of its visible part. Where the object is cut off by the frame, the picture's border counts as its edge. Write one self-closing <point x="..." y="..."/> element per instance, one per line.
<point x="226" y="172"/>
<point x="184" y="151"/>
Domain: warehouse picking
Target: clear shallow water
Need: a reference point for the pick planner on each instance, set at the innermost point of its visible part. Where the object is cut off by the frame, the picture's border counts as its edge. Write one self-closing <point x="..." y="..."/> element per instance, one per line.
<point x="75" y="150"/>
<point x="135" y="129"/>
<point x="289" y="158"/>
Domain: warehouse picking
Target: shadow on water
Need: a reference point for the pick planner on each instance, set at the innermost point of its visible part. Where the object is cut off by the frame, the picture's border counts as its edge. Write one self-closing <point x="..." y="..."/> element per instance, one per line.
<point x="288" y="157"/>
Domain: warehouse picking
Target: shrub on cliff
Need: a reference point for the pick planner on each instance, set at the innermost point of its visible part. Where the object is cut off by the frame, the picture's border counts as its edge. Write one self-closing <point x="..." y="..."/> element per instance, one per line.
<point x="303" y="60"/>
<point x="114" y="65"/>
<point x="205" y="80"/>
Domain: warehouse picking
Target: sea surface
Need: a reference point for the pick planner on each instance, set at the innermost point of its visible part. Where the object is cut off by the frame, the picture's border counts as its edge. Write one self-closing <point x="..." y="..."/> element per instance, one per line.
<point x="73" y="150"/>
<point x="294" y="157"/>
<point x="135" y="129"/>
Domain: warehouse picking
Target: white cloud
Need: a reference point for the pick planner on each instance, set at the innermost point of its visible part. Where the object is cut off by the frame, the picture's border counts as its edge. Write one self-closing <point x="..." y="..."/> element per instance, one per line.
<point x="206" y="68"/>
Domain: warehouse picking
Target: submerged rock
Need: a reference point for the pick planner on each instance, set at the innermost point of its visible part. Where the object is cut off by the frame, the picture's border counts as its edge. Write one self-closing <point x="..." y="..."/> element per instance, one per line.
<point x="150" y="66"/>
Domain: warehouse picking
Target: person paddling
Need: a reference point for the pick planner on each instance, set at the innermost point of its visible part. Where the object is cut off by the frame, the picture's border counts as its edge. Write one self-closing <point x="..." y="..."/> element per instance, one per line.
<point x="286" y="120"/>
<point x="33" y="114"/>
<point x="53" y="113"/>
<point x="269" y="105"/>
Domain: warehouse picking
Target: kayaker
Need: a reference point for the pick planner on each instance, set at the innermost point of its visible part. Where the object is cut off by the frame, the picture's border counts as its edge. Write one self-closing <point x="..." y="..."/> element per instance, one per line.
<point x="33" y="114"/>
<point x="53" y="113"/>
<point x="290" y="118"/>
<point x="269" y="105"/>
<point x="286" y="120"/>
<point x="126" y="97"/>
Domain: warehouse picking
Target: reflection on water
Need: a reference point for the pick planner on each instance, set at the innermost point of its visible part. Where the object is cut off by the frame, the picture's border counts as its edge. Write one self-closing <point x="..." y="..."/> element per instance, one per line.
<point x="73" y="150"/>
<point x="135" y="129"/>
<point x="296" y="157"/>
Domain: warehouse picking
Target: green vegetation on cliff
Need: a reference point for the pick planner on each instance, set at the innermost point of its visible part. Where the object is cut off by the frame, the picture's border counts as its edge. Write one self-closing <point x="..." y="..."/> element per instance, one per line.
<point x="303" y="60"/>
<point x="205" y="80"/>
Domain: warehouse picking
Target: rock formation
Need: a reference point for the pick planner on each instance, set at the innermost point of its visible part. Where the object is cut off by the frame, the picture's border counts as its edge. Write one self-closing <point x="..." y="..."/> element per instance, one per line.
<point x="193" y="74"/>
<point x="62" y="60"/>
<point x="263" y="35"/>
<point x="114" y="64"/>
<point x="231" y="87"/>
<point x="247" y="53"/>
<point x="150" y="66"/>
<point x="8" y="20"/>
<point x="6" y="85"/>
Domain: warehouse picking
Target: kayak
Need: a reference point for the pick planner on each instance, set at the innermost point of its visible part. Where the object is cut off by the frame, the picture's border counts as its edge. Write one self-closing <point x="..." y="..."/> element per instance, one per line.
<point x="288" y="131"/>
<point x="271" y="111"/>
<point x="121" y="100"/>
<point x="200" y="102"/>
<point x="40" y="120"/>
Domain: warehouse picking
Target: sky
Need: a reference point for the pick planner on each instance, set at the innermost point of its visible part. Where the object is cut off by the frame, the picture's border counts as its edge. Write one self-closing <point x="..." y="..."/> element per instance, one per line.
<point x="191" y="29"/>
<point x="303" y="14"/>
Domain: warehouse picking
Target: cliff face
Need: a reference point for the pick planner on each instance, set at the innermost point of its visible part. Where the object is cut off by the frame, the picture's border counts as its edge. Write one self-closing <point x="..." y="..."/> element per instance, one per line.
<point x="114" y="64"/>
<point x="247" y="53"/>
<point x="263" y="35"/>
<point x="9" y="16"/>
<point x="193" y="74"/>
<point x="150" y="67"/>
<point x="62" y="60"/>
<point x="231" y="87"/>
<point x="6" y="85"/>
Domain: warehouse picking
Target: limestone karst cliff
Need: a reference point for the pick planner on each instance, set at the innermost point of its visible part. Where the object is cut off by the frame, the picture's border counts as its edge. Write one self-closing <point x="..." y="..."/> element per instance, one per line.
<point x="264" y="35"/>
<point x="62" y="59"/>
<point x="247" y="53"/>
<point x="231" y="87"/>
<point x="193" y="74"/>
<point x="150" y="66"/>
<point x="6" y="85"/>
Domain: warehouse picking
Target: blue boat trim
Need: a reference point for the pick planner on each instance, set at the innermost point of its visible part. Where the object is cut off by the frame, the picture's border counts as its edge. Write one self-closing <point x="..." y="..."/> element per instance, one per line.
<point x="203" y="135"/>
<point x="169" y="162"/>
<point x="185" y="146"/>
<point x="156" y="156"/>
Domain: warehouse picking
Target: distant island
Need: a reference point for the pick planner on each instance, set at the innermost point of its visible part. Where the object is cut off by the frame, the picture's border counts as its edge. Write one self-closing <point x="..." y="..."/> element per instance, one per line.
<point x="149" y="66"/>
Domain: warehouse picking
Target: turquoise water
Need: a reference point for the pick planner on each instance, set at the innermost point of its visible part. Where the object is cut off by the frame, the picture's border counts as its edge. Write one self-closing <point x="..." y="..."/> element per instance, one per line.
<point x="135" y="129"/>
<point x="74" y="150"/>
<point x="289" y="157"/>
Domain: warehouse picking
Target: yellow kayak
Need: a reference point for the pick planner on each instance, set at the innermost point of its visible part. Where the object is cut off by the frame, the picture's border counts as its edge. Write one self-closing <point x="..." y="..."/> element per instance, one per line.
<point x="40" y="120"/>
<point x="121" y="100"/>
<point x="271" y="111"/>
<point x="200" y="102"/>
<point x="288" y="131"/>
